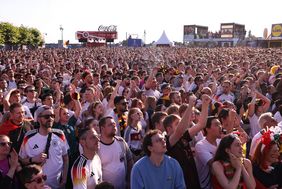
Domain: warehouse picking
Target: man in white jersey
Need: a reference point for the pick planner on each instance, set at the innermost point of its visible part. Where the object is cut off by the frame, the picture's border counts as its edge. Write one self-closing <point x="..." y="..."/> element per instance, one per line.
<point x="86" y="171"/>
<point x="48" y="147"/>
<point x="115" y="155"/>
<point x="205" y="150"/>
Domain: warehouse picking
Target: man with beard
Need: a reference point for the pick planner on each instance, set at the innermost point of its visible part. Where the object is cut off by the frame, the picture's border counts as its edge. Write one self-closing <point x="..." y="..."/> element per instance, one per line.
<point x="115" y="155"/>
<point x="119" y="114"/>
<point x="175" y="98"/>
<point x="47" y="147"/>
<point x="88" y="80"/>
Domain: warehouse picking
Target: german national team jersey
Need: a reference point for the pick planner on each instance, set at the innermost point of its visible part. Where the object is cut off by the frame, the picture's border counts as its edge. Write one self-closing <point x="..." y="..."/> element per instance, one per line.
<point x="86" y="173"/>
<point x="35" y="144"/>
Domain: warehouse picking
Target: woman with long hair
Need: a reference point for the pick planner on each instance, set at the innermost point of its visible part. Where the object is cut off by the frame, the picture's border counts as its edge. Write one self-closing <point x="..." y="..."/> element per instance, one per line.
<point x="133" y="133"/>
<point x="267" y="168"/>
<point x="137" y="103"/>
<point x="230" y="170"/>
<point x="92" y="123"/>
<point x="95" y="110"/>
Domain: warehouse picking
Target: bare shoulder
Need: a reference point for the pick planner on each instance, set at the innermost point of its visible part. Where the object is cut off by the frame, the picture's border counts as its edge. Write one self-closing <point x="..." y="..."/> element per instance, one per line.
<point x="216" y="166"/>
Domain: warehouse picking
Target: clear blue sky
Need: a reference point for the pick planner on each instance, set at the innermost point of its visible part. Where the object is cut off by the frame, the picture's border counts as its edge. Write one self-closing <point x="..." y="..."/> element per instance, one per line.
<point x="135" y="16"/>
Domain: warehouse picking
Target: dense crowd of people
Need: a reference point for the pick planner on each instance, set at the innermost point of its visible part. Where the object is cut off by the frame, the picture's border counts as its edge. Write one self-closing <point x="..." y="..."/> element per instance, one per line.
<point x="135" y="118"/>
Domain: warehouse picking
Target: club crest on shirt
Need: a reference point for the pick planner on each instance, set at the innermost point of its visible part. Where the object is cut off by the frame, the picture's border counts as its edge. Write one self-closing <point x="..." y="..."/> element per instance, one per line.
<point x="54" y="143"/>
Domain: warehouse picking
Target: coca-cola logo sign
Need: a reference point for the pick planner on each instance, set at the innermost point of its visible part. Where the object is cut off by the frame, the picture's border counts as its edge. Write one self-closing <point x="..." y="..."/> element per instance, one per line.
<point x="111" y="28"/>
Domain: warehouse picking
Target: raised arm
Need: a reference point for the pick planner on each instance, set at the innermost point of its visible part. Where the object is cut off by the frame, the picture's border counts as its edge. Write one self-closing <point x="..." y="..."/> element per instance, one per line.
<point x="203" y="119"/>
<point x="6" y="99"/>
<point x="150" y="78"/>
<point x="184" y="122"/>
<point x="265" y="100"/>
<point x="251" y="106"/>
<point x="114" y="94"/>
<point x="77" y="108"/>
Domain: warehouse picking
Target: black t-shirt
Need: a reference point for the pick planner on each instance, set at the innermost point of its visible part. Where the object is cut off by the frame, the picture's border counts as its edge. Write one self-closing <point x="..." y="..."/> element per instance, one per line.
<point x="182" y="152"/>
<point x="268" y="179"/>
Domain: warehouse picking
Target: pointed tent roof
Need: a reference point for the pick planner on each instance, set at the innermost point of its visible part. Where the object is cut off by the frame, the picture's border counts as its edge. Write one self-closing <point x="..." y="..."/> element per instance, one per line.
<point x="163" y="40"/>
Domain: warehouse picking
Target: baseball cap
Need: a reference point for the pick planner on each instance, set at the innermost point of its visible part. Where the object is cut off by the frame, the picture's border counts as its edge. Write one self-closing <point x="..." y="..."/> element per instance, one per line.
<point x="39" y="111"/>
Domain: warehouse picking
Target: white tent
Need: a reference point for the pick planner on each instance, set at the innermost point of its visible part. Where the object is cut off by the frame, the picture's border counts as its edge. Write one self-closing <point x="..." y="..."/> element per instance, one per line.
<point x="163" y="41"/>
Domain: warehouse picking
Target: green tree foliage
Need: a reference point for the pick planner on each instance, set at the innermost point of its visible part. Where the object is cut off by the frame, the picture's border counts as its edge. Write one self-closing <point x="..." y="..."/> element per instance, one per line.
<point x="24" y="35"/>
<point x="12" y="35"/>
<point x="9" y="33"/>
<point x="1" y="38"/>
<point x="36" y="38"/>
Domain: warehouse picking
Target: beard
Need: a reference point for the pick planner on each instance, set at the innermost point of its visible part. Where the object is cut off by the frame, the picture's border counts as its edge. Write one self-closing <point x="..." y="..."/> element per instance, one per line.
<point x="112" y="134"/>
<point x="48" y="124"/>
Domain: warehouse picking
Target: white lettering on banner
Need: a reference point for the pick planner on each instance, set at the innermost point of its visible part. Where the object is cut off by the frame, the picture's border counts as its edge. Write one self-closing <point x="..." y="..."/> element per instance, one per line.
<point x="110" y="28"/>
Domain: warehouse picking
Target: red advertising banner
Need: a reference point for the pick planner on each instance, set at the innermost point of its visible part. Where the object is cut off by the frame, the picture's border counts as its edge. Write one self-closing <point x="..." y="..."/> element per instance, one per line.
<point x="107" y="35"/>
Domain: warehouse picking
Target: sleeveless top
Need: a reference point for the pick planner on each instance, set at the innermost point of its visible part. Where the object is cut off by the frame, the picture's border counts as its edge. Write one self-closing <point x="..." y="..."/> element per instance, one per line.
<point x="229" y="172"/>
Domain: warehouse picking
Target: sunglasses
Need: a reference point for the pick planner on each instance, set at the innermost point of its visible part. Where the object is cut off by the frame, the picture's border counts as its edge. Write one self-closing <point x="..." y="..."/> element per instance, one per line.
<point x="5" y="144"/>
<point x="48" y="116"/>
<point x="39" y="180"/>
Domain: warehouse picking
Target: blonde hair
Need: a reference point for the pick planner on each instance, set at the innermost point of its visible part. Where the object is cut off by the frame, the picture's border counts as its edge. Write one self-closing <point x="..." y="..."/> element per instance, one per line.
<point x="129" y="119"/>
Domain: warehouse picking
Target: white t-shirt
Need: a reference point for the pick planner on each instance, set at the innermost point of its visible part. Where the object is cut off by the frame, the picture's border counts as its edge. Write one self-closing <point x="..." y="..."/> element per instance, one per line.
<point x="85" y="173"/>
<point x="85" y="106"/>
<point x="31" y="104"/>
<point x="204" y="152"/>
<point x="277" y="116"/>
<point x="280" y="124"/>
<point x="27" y="114"/>
<point x="35" y="144"/>
<point x="255" y="128"/>
<point x="113" y="167"/>
<point x="152" y="92"/>
<point x="254" y="143"/>
<point x="226" y="97"/>
<point x="133" y="137"/>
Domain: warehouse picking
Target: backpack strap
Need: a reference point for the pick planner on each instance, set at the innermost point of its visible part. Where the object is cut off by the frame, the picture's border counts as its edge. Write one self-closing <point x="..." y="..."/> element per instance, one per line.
<point x="46" y="151"/>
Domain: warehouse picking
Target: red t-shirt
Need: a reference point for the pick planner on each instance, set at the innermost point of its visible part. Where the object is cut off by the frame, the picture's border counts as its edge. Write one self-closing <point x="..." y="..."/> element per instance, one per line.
<point x="7" y="127"/>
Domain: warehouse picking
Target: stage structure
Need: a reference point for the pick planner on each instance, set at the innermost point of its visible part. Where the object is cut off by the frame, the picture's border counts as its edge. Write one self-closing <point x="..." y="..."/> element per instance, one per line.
<point x="104" y="35"/>
<point x="229" y="35"/>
